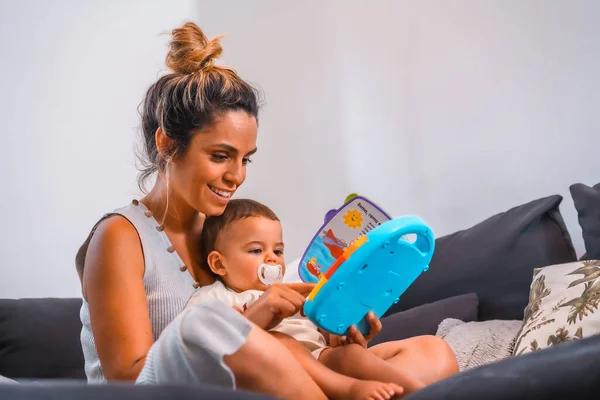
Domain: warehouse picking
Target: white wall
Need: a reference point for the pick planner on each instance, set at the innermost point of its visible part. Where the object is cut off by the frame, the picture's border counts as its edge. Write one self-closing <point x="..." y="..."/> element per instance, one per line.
<point x="485" y="105"/>
<point x="453" y="110"/>
<point x="72" y="74"/>
<point x="440" y="108"/>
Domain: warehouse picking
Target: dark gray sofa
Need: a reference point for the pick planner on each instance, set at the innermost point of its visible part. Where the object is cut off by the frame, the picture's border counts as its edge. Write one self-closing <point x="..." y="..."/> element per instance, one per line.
<point x="477" y="274"/>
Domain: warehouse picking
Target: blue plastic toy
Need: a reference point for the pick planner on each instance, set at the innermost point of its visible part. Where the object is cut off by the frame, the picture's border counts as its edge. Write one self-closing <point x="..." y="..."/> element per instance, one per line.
<point x="371" y="275"/>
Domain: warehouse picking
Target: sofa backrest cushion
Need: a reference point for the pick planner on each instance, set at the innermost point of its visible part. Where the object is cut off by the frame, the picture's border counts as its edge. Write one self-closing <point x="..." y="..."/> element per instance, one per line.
<point x="495" y="259"/>
<point x="39" y="338"/>
<point x="587" y="203"/>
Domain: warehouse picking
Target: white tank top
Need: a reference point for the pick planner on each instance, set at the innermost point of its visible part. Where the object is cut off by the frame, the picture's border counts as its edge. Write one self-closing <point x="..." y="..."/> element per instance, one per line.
<point x="167" y="282"/>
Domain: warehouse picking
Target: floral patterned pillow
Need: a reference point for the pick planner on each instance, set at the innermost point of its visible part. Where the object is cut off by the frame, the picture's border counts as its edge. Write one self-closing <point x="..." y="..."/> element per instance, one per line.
<point x="563" y="306"/>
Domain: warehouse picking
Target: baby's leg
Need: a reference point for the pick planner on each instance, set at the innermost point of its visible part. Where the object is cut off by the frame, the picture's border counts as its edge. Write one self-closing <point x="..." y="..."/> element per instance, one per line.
<point x="333" y="384"/>
<point x="426" y="358"/>
<point x="358" y="362"/>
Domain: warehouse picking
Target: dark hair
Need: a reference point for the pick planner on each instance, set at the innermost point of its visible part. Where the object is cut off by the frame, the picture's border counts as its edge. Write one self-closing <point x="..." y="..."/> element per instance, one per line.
<point x="190" y="97"/>
<point x="236" y="209"/>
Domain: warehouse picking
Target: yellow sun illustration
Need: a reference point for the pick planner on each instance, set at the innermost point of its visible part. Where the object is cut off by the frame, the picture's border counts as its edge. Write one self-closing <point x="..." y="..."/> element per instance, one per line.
<point x="353" y="219"/>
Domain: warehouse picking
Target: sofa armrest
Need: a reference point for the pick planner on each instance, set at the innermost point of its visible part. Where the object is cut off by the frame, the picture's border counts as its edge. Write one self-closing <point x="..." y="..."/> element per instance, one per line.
<point x="569" y="370"/>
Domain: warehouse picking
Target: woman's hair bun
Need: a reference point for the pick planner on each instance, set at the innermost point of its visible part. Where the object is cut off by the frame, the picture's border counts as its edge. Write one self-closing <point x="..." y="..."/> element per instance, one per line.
<point x="191" y="51"/>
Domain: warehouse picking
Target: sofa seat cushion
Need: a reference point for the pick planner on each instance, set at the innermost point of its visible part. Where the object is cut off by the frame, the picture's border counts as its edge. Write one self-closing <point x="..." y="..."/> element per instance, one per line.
<point x="569" y="371"/>
<point x="68" y="390"/>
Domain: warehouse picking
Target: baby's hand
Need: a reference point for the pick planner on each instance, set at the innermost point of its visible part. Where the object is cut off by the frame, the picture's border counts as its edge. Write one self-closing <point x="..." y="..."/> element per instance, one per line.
<point x="354" y="335"/>
<point x="279" y="301"/>
<point x="336" y="340"/>
<point x="332" y="339"/>
<point x="374" y="328"/>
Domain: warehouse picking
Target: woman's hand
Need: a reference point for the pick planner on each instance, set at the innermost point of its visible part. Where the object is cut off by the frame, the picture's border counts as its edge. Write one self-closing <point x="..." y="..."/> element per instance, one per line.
<point x="279" y="301"/>
<point x="355" y="336"/>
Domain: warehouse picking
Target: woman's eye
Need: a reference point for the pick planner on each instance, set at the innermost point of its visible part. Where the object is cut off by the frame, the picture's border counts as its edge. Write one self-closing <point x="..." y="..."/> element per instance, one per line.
<point x="246" y="161"/>
<point x="219" y="157"/>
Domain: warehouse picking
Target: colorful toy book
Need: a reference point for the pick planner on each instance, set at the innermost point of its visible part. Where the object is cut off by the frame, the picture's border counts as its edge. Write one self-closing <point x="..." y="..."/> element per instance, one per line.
<point x="362" y="260"/>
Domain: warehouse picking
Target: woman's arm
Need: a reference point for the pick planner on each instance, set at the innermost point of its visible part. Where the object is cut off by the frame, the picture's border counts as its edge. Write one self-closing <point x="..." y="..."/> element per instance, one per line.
<point x="114" y="289"/>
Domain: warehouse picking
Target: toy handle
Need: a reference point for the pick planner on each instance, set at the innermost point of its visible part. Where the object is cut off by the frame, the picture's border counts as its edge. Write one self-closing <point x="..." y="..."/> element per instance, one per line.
<point x="398" y="229"/>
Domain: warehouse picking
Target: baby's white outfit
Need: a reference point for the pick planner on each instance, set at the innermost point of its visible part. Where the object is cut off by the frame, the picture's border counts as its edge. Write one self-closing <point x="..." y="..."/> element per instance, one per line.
<point x="296" y="326"/>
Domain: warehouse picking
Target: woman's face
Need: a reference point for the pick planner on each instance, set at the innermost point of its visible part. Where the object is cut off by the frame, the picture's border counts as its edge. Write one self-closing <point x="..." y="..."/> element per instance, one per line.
<point x="214" y="164"/>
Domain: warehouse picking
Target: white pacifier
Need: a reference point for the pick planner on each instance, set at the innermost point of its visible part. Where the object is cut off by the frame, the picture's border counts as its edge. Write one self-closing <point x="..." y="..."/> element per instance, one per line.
<point x="270" y="274"/>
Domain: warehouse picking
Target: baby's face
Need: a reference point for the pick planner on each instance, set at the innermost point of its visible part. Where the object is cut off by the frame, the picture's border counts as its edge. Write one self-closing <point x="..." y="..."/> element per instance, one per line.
<point x="246" y="244"/>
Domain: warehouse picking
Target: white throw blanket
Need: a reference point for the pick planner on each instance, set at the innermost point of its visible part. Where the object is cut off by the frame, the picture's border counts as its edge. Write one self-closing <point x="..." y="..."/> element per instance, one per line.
<point x="480" y="342"/>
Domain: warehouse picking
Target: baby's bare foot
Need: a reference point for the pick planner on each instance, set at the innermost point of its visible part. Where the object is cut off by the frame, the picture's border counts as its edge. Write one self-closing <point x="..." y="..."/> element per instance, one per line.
<point x="372" y="390"/>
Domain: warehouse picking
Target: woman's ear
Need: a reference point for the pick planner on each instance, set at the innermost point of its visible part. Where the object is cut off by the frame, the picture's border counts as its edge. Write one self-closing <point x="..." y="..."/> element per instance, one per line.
<point x="163" y="143"/>
<point x="215" y="262"/>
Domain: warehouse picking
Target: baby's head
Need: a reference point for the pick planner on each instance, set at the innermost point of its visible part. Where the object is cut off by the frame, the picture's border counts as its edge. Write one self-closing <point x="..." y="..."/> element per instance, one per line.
<point x="236" y="244"/>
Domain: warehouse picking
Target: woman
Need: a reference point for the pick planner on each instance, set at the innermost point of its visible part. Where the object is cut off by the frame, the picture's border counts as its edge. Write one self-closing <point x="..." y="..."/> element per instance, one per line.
<point x="139" y="265"/>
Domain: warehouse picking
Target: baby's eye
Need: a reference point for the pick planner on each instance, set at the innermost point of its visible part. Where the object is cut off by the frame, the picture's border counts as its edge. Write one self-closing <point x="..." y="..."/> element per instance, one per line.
<point x="278" y="252"/>
<point x="255" y="251"/>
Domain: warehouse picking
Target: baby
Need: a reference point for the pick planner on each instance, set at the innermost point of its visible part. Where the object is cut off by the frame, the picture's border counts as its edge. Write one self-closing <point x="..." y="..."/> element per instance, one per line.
<point x="244" y="249"/>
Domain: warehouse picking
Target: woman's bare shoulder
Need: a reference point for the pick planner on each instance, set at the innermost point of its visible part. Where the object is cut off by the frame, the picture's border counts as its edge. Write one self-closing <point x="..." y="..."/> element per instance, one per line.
<point x="114" y="249"/>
